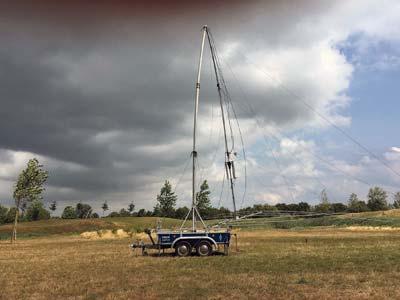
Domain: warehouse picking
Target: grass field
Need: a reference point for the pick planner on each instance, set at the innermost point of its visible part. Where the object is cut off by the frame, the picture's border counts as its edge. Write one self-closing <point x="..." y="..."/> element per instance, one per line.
<point x="298" y="263"/>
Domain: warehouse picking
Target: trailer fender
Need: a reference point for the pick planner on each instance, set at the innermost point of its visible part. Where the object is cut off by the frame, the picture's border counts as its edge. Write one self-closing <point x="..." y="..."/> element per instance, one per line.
<point x="207" y="238"/>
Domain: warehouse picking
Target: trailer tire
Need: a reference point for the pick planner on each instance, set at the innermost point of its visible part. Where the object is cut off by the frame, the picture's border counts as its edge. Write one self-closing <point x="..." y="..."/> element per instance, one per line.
<point x="183" y="249"/>
<point x="204" y="248"/>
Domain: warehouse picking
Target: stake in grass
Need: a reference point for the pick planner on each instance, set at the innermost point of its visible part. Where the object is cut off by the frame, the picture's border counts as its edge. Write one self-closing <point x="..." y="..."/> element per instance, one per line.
<point x="29" y="187"/>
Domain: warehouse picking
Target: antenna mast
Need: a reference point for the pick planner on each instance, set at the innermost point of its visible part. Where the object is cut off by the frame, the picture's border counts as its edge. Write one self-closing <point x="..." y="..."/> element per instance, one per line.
<point x="194" y="152"/>
<point x="229" y="167"/>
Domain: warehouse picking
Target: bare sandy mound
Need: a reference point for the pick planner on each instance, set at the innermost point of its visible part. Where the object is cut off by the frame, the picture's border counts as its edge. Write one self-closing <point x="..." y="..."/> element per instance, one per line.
<point x="372" y="228"/>
<point x="105" y="234"/>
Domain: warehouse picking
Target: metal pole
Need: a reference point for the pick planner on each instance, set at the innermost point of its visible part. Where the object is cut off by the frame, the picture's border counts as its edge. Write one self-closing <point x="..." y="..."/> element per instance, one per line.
<point x="227" y="161"/>
<point x="196" y="106"/>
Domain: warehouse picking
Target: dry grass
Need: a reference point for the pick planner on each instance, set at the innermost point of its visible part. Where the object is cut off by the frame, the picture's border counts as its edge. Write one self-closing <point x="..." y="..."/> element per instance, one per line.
<point x="281" y="264"/>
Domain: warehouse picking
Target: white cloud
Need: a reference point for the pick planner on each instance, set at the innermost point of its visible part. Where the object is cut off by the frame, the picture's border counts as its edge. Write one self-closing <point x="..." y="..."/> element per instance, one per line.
<point x="395" y="149"/>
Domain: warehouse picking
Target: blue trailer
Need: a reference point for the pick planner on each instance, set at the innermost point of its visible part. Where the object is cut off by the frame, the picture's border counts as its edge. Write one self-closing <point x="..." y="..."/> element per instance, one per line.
<point x="185" y="243"/>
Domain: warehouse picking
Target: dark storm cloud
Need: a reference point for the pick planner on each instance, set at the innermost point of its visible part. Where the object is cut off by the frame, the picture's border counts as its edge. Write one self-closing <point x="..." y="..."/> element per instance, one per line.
<point x="92" y="84"/>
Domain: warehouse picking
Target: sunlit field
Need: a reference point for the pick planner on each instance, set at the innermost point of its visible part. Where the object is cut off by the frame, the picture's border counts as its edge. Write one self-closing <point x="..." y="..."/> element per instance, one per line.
<point x="312" y="263"/>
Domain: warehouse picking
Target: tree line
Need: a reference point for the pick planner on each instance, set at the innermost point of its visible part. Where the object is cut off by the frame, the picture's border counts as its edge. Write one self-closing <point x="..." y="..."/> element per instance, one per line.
<point x="29" y="204"/>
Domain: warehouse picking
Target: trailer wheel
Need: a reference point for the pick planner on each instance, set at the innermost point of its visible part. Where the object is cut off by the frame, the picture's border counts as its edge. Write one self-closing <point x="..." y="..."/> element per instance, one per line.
<point x="203" y="248"/>
<point x="183" y="249"/>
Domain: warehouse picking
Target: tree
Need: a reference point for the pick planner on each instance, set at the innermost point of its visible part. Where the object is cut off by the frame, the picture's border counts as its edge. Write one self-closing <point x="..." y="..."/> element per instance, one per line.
<point x="181" y="212"/>
<point x="113" y="214"/>
<point x="166" y="201"/>
<point x="36" y="211"/>
<point x="396" y="202"/>
<point x="29" y="187"/>
<point x="203" y="198"/>
<point x="124" y="213"/>
<point x="352" y="203"/>
<point x="104" y="207"/>
<point x="324" y="206"/>
<point x="95" y="216"/>
<point x="293" y="207"/>
<point x="53" y="206"/>
<point x="83" y="211"/>
<point x="141" y="212"/>
<point x="338" y="207"/>
<point x="11" y="214"/>
<point x="377" y="199"/>
<point x="304" y="206"/>
<point x="281" y="206"/>
<point x="3" y="214"/>
<point x="131" y="208"/>
<point x="69" y="213"/>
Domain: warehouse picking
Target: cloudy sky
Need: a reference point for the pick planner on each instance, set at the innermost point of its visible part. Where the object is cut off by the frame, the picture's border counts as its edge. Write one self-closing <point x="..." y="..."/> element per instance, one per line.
<point x="102" y="94"/>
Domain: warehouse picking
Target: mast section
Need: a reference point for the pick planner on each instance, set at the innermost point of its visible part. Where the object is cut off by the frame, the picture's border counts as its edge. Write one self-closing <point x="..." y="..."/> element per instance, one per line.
<point x="194" y="152"/>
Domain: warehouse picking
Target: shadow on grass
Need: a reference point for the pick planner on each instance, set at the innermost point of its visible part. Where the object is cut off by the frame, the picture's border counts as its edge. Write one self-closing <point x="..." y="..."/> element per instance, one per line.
<point x="172" y="254"/>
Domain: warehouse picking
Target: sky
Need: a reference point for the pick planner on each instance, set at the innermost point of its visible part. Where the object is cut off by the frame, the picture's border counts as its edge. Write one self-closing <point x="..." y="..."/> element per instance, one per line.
<point x="102" y="94"/>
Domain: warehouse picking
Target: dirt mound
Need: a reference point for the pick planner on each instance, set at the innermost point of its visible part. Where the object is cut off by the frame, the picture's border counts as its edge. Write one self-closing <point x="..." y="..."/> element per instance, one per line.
<point x="105" y="234"/>
<point x="372" y="228"/>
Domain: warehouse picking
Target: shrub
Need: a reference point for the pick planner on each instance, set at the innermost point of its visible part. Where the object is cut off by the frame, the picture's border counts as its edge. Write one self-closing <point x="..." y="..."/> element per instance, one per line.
<point x="114" y="214"/>
<point x="69" y="213"/>
<point x="36" y="211"/>
<point x="11" y="215"/>
<point x="3" y="214"/>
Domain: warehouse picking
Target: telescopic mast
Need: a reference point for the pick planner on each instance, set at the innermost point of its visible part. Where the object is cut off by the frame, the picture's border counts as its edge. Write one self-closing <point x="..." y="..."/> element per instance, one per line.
<point x="196" y="107"/>
<point x="228" y="162"/>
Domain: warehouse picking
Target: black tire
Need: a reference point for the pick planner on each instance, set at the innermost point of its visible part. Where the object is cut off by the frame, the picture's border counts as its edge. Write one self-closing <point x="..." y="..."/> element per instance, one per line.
<point x="183" y="249"/>
<point x="204" y="248"/>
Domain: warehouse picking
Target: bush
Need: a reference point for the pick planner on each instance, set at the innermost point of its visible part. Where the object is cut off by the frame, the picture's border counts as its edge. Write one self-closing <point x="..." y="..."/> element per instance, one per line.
<point x="69" y="213"/>
<point x="124" y="213"/>
<point x="141" y="212"/>
<point x="181" y="212"/>
<point x="11" y="215"/>
<point x="36" y="212"/>
<point x="338" y="207"/>
<point x="114" y="214"/>
<point x="3" y="214"/>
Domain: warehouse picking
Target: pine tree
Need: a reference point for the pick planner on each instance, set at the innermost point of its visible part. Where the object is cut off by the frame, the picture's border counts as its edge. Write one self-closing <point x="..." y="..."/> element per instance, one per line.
<point x="324" y="205"/>
<point x="203" y="198"/>
<point x="53" y="206"/>
<point x="131" y="208"/>
<point x="166" y="201"/>
<point x="104" y="207"/>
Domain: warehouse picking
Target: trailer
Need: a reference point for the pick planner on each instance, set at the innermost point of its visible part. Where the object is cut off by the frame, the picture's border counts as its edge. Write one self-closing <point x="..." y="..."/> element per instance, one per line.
<point x="186" y="243"/>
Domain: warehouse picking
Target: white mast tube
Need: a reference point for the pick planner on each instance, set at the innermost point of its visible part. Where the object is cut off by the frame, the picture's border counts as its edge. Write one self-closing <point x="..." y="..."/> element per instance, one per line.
<point x="194" y="153"/>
